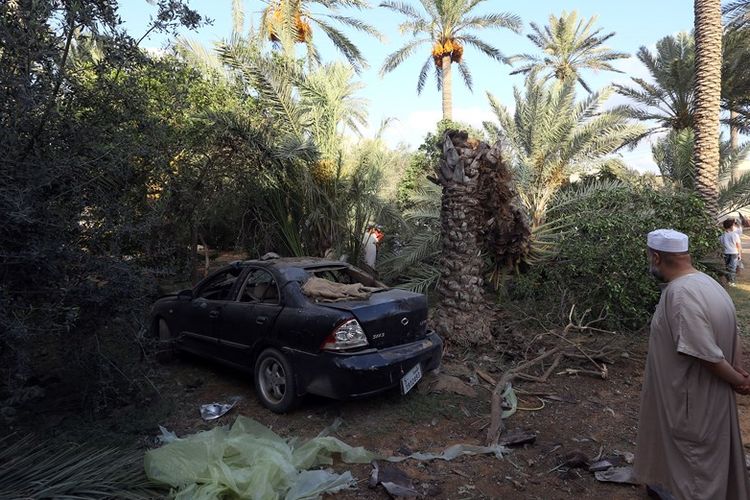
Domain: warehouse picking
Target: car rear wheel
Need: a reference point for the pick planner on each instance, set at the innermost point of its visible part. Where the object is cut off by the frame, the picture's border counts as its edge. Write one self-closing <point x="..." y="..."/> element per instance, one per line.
<point x="165" y="349"/>
<point x="274" y="381"/>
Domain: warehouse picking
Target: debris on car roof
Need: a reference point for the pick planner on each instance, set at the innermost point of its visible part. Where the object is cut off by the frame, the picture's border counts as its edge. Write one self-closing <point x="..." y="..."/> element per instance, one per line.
<point x="270" y="256"/>
<point x="323" y="290"/>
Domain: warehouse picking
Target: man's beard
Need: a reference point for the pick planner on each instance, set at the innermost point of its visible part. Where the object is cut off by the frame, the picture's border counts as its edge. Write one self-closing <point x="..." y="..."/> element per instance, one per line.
<point x="656" y="273"/>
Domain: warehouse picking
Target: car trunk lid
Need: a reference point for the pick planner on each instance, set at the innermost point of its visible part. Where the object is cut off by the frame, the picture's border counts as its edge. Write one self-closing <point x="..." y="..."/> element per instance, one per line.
<point x="389" y="317"/>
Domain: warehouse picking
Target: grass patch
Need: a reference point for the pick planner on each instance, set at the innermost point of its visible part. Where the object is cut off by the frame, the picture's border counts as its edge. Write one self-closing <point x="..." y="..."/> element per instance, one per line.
<point x="741" y="297"/>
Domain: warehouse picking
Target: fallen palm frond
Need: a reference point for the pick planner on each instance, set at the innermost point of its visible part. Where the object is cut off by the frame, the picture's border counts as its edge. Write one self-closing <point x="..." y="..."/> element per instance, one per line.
<point x="30" y="468"/>
<point x="567" y="344"/>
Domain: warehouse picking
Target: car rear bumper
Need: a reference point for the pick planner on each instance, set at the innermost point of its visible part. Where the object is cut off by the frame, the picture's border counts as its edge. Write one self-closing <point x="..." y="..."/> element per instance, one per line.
<point x="344" y="376"/>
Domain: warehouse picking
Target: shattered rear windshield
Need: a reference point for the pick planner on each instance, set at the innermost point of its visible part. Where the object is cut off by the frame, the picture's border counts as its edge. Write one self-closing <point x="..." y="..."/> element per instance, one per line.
<point x="344" y="276"/>
<point x="334" y="284"/>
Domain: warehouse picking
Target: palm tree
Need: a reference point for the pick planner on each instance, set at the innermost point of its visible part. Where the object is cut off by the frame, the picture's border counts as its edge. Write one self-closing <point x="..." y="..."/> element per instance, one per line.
<point x="668" y="98"/>
<point x="291" y="22"/>
<point x="737" y="13"/>
<point x="569" y="46"/>
<point x="550" y="136"/>
<point x="466" y="171"/>
<point x="447" y="26"/>
<point x="735" y="81"/>
<point x="708" y="33"/>
<point x="673" y="155"/>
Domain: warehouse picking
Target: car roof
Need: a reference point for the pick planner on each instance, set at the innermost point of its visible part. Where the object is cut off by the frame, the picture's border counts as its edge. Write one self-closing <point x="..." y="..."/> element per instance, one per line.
<point x="294" y="268"/>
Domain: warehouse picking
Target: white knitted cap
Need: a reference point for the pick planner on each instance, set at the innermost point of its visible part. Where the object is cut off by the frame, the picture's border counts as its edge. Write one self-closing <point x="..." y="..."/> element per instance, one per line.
<point x="667" y="240"/>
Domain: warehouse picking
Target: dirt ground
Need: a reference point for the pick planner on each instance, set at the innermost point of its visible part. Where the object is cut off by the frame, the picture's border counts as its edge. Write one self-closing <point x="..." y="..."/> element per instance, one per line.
<point x="570" y="415"/>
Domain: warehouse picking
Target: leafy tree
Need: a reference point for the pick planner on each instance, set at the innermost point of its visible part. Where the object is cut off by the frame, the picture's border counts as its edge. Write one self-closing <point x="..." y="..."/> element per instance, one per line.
<point x="569" y="46"/>
<point x="595" y="261"/>
<point x="448" y="26"/>
<point x="320" y="191"/>
<point x="708" y="35"/>
<point x="668" y="98"/>
<point x="79" y="143"/>
<point x="549" y="136"/>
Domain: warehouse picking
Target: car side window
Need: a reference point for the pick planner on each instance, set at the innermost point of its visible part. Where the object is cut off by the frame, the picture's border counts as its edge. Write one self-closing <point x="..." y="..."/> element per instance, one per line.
<point x="220" y="286"/>
<point x="260" y="287"/>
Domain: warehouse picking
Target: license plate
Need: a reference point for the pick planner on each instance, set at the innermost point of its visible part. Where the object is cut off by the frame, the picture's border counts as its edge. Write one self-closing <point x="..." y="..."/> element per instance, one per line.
<point x="411" y="378"/>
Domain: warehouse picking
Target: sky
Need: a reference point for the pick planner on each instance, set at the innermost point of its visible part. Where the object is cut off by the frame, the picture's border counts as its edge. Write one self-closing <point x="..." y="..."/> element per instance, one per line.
<point x="636" y="23"/>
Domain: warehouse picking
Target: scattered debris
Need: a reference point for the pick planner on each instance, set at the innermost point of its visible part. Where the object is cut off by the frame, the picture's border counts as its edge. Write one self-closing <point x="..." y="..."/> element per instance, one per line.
<point x="626" y="455"/>
<point x="395" y="481"/>
<point x="454" y="451"/>
<point x="517" y="437"/>
<point x="248" y="460"/>
<point x="601" y="465"/>
<point x="622" y="475"/>
<point x="576" y="459"/>
<point x="486" y="377"/>
<point x="566" y="347"/>
<point x="449" y="383"/>
<point x="212" y="411"/>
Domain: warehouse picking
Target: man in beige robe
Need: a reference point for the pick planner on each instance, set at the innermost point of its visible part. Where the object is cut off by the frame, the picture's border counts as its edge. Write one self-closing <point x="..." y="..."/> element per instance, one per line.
<point x="689" y="443"/>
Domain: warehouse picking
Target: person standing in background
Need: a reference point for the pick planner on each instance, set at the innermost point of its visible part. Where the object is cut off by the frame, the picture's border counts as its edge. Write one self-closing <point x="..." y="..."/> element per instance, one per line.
<point x="731" y="246"/>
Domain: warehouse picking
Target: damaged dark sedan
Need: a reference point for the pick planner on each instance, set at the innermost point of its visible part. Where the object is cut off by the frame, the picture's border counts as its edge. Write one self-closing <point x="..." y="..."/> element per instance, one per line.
<point x="303" y="326"/>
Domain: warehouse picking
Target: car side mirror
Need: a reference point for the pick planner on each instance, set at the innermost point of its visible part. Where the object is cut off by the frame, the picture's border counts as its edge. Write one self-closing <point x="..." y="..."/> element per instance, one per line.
<point x="186" y="294"/>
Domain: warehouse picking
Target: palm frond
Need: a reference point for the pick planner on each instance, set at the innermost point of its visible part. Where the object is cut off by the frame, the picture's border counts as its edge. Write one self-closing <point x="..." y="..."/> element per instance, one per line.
<point x="395" y="59"/>
<point x="484" y="47"/>
<point x="344" y="45"/>
<point x="463" y="68"/>
<point x="33" y="468"/>
<point x="402" y="8"/>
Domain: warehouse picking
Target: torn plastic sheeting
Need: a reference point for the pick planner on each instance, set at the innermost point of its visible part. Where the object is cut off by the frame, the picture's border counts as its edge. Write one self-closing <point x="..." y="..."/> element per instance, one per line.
<point x="249" y="460"/>
<point x="509" y="396"/>
<point x="313" y="483"/>
<point x="454" y="451"/>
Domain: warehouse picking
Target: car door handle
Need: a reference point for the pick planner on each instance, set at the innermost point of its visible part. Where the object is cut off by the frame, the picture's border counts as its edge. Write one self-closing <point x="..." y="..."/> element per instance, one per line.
<point x="261" y="319"/>
<point x="213" y="314"/>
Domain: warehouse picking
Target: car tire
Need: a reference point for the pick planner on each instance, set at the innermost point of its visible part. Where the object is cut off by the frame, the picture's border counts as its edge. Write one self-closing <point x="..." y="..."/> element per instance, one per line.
<point x="165" y="351"/>
<point x="274" y="381"/>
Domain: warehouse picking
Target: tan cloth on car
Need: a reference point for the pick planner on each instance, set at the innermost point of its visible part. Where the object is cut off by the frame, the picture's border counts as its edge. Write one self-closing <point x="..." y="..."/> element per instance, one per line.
<point x="328" y="291"/>
<point x="689" y="438"/>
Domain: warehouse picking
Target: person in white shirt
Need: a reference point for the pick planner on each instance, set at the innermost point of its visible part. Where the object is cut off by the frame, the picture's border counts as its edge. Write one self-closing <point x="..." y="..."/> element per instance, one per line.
<point x="732" y="248"/>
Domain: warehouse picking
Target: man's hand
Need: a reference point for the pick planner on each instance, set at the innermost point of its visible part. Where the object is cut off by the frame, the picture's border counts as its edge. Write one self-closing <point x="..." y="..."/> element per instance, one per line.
<point x="743" y="388"/>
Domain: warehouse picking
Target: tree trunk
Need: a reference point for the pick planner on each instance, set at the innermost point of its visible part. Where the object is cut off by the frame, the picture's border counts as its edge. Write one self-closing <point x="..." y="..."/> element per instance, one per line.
<point x="447" y="88"/>
<point x="707" y="100"/>
<point x="462" y="316"/>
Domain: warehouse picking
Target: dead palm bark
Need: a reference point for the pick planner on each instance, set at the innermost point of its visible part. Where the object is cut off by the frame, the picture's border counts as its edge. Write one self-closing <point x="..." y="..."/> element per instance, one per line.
<point x="708" y="33"/>
<point x="462" y="316"/>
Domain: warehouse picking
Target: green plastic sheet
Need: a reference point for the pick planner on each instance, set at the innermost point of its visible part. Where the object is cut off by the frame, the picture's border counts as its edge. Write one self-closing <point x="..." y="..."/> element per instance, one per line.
<point x="248" y="460"/>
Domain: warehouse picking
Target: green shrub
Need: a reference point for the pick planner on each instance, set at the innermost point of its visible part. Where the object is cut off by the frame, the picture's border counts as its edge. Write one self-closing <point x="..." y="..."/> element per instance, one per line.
<point x="600" y="261"/>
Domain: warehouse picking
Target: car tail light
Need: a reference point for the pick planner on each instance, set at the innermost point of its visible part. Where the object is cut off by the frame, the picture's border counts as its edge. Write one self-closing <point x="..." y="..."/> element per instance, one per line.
<point x="347" y="335"/>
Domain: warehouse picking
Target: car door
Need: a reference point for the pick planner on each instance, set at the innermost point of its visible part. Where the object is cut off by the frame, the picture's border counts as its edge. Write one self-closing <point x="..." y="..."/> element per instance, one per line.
<point x="249" y="318"/>
<point x="200" y="333"/>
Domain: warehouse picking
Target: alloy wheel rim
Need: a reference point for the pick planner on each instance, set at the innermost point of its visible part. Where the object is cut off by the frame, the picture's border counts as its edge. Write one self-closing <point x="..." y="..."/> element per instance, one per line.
<point x="272" y="380"/>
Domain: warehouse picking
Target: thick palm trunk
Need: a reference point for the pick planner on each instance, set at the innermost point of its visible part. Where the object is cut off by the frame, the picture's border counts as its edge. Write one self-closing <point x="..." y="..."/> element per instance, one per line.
<point x="447" y="88"/>
<point x="707" y="100"/>
<point x="462" y="316"/>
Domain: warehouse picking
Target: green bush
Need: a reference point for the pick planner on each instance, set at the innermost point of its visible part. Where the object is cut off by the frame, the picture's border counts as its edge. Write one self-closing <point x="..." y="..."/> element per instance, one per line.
<point x="600" y="261"/>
